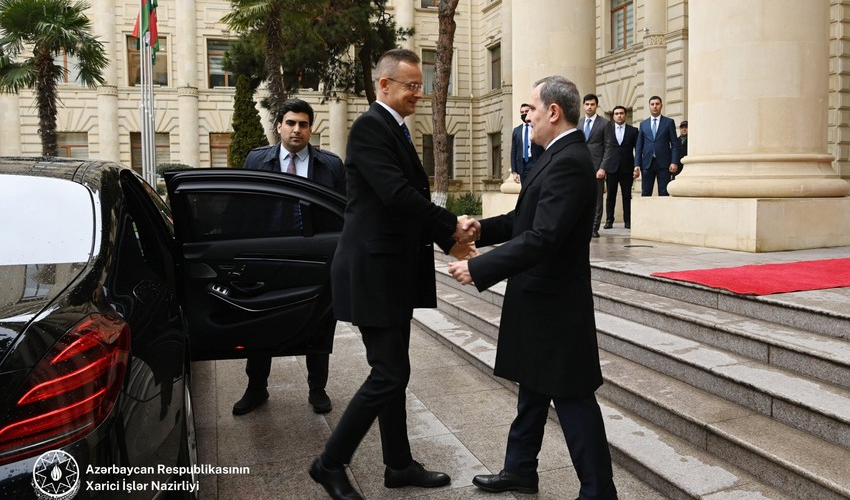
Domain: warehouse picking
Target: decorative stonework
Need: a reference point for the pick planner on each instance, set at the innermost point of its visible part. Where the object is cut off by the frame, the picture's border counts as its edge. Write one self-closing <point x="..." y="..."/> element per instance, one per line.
<point x="187" y="91"/>
<point x="655" y="40"/>
<point x="107" y="90"/>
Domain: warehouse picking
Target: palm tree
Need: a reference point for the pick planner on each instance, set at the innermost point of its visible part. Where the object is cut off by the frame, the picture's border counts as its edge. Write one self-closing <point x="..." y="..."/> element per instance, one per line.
<point x="47" y="28"/>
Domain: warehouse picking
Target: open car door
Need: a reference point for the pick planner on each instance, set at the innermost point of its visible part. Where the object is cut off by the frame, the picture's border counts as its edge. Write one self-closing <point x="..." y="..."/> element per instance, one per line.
<point x="255" y="254"/>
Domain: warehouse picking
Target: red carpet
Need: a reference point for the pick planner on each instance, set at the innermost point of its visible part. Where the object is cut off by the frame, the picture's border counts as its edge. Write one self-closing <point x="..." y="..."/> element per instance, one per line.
<point x="765" y="279"/>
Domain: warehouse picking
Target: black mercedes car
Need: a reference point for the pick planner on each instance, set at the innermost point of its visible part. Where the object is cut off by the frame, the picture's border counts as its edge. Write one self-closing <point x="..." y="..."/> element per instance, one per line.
<point x="107" y="294"/>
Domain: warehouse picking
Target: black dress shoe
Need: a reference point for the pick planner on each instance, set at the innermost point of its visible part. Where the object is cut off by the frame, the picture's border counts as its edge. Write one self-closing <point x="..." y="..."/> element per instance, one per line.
<point x="595" y="233"/>
<point x="608" y="225"/>
<point x="335" y="482"/>
<point x="320" y="401"/>
<point x="506" y="481"/>
<point x="250" y="400"/>
<point x="628" y="225"/>
<point x="414" y="475"/>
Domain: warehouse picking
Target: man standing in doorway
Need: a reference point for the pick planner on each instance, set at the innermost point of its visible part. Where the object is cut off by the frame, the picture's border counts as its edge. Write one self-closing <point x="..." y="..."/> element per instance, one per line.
<point x="293" y="155"/>
<point x="657" y="153"/>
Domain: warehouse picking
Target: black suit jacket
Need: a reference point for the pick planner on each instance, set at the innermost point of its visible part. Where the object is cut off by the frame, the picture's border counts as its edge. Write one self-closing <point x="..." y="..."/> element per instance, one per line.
<point x="324" y="167"/>
<point x="384" y="263"/>
<point x="519" y="165"/>
<point x="547" y="334"/>
<point x="620" y="157"/>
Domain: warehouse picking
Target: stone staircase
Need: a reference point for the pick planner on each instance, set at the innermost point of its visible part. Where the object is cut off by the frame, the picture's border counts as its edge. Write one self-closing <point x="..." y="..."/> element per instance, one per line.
<point x="707" y="395"/>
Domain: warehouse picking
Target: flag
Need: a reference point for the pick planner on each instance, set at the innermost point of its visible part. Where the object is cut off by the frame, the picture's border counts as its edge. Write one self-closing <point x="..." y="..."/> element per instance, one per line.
<point x="148" y="26"/>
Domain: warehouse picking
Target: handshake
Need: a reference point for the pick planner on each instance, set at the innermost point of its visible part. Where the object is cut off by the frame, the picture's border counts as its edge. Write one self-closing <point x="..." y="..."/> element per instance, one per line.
<point x="467" y="232"/>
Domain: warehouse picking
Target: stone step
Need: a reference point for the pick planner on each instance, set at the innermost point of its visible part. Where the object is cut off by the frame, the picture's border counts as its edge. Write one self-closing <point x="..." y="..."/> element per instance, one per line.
<point x="819" y="312"/>
<point x="668" y="463"/>
<point x="759" y="383"/>
<point x="814" y="355"/>
<point x="813" y="406"/>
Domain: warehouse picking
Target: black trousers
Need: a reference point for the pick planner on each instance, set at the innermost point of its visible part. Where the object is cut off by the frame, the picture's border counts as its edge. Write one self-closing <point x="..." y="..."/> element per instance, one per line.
<point x="382" y="397"/>
<point x="259" y="368"/>
<point x="584" y="432"/>
<point x="600" y="194"/>
<point x="648" y="176"/>
<point x="624" y="179"/>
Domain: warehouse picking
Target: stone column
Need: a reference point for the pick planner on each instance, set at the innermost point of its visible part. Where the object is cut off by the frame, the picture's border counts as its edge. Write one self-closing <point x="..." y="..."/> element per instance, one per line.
<point x="10" y="125"/>
<point x="553" y="37"/>
<point x="338" y="126"/>
<point x="654" y="50"/>
<point x="185" y="45"/>
<point x="757" y="176"/>
<point x="107" y="94"/>
<point x="405" y="17"/>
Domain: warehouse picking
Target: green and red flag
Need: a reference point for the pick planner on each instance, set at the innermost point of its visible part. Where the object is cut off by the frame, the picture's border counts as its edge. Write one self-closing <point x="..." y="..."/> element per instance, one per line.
<point x="147" y="20"/>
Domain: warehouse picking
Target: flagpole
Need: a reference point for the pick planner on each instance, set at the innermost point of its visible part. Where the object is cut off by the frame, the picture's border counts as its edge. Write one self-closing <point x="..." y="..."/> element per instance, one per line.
<point x="148" y="129"/>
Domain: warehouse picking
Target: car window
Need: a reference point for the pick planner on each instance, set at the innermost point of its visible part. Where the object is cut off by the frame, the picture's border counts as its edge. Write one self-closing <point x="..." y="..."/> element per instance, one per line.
<point x="236" y="215"/>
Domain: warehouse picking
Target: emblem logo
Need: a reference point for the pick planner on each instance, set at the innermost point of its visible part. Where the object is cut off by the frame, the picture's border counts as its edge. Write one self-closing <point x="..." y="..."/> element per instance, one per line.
<point x="56" y="476"/>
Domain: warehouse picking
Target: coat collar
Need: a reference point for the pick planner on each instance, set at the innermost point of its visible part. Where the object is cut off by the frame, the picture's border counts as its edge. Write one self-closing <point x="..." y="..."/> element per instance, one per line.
<point x="546" y="158"/>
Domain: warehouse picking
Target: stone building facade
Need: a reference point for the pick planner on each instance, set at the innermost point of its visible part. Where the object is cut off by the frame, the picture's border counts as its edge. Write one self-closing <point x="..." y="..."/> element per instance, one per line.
<point x="622" y="50"/>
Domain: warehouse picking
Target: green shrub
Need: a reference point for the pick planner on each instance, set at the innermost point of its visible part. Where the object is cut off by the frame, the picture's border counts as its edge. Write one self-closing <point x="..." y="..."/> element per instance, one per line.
<point x="465" y="204"/>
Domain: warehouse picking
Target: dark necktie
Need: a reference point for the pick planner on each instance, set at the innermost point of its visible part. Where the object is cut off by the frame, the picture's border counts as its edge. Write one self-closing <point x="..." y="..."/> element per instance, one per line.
<point x="296" y="208"/>
<point x="406" y="132"/>
<point x="525" y="143"/>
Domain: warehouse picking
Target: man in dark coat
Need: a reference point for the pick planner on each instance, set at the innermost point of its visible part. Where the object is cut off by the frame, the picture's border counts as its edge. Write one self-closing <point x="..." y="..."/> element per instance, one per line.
<point x="382" y="269"/>
<point x="293" y="155"/>
<point x="618" y="164"/>
<point x="595" y="130"/>
<point x="547" y="335"/>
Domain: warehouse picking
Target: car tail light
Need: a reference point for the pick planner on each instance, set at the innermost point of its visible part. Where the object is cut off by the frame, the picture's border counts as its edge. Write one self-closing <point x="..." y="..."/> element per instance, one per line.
<point x="70" y="392"/>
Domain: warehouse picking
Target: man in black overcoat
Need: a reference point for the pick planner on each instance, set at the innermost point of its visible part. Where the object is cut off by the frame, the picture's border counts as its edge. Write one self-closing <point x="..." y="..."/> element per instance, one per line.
<point x="547" y="335"/>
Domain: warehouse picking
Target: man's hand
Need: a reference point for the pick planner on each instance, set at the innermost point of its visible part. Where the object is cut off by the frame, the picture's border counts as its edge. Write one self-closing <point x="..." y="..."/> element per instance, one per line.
<point x="460" y="271"/>
<point x="463" y="251"/>
<point x="515" y="176"/>
<point x="467" y="230"/>
<point x="674" y="168"/>
<point x="636" y="173"/>
<point x="600" y="174"/>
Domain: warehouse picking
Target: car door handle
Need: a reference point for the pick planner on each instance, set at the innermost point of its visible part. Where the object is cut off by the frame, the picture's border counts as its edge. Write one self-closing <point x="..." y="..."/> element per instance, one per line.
<point x="248" y="286"/>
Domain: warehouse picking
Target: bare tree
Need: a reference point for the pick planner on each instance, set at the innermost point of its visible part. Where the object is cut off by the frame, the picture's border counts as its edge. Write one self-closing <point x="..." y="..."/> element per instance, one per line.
<point x="442" y="74"/>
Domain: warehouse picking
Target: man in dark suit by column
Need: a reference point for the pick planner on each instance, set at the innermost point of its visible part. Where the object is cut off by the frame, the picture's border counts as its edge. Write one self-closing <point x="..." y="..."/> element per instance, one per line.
<point x="523" y="150"/>
<point x="293" y="155"/>
<point x="547" y="334"/>
<point x="383" y="268"/>
<point x="618" y="163"/>
<point x="657" y="150"/>
<point x="595" y="129"/>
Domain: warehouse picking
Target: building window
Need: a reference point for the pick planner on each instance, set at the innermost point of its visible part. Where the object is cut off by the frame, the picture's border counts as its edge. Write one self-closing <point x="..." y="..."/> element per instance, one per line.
<point x="163" y="150"/>
<point x="428" y="4"/>
<point x="72" y="144"/>
<point x="622" y="24"/>
<point x="219" y="144"/>
<point x="495" y="67"/>
<point x="495" y="141"/>
<point x="70" y="65"/>
<point x="160" y="66"/>
<point x="429" y="68"/>
<point x="428" y="155"/>
<point x="218" y="76"/>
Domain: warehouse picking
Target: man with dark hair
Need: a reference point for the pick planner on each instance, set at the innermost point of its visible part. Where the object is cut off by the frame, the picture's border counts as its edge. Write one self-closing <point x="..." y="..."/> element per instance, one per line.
<point x="657" y="153"/>
<point x="382" y="270"/>
<point x="619" y="166"/>
<point x="547" y="333"/>
<point x="293" y="155"/>
<point x="523" y="150"/>
<point x="595" y="130"/>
